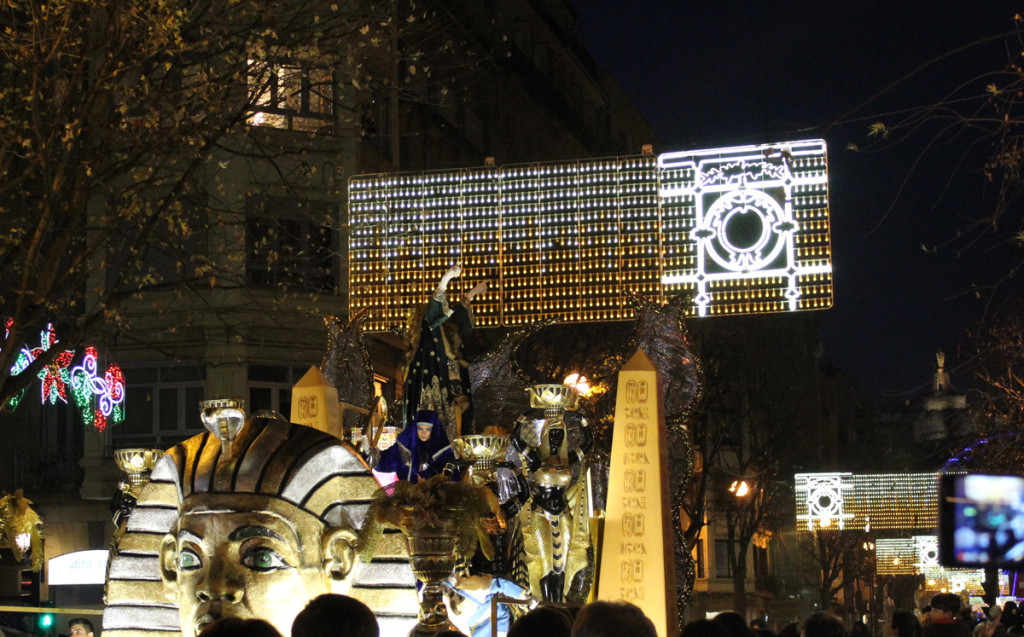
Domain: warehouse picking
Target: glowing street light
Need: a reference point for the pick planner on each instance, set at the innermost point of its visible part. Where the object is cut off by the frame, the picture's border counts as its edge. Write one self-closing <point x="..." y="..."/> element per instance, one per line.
<point x="739" y="488"/>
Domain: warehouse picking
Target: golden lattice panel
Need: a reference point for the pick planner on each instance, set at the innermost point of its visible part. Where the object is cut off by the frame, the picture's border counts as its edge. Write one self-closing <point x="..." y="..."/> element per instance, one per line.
<point x="867" y="502"/>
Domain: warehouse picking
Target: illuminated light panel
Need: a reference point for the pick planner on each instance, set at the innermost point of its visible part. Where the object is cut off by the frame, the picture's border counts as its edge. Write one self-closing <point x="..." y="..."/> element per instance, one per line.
<point x="895" y="556"/>
<point x="918" y="555"/>
<point x="744" y="230"/>
<point x="875" y="502"/>
<point x="757" y="213"/>
<point x="821" y="500"/>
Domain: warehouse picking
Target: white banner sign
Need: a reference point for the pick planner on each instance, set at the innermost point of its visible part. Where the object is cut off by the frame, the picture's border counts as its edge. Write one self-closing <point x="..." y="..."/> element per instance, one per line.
<point x="80" y="567"/>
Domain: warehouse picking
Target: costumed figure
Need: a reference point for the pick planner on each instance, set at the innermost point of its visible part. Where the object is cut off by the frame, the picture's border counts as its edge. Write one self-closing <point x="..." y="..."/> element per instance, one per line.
<point x="556" y="526"/>
<point x="251" y="519"/>
<point x="436" y="376"/>
<point x="482" y="459"/>
<point x="421" y="451"/>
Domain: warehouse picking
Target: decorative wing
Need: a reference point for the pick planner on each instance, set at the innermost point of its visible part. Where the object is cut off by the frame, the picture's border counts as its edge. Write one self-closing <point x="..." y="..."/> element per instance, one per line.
<point x="499" y="385"/>
<point x="347" y="366"/>
<point x="661" y="333"/>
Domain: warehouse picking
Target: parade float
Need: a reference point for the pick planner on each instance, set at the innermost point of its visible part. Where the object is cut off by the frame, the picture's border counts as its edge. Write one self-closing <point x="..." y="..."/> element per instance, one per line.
<point x="502" y="498"/>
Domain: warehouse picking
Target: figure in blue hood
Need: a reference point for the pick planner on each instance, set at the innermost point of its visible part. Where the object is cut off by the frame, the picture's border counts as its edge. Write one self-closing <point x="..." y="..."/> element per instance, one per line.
<point x="421" y="451"/>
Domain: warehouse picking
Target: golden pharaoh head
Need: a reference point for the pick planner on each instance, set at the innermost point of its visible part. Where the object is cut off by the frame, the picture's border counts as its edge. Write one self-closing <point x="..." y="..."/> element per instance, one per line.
<point x="251" y="527"/>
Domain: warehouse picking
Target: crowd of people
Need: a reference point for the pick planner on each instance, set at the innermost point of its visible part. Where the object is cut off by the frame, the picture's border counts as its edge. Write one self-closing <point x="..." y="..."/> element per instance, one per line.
<point x="945" y="616"/>
<point x="333" y="615"/>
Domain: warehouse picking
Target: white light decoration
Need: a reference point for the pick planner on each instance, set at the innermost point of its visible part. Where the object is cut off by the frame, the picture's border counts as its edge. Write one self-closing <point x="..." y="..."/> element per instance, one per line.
<point x="745" y="230"/>
<point x="757" y="213"/>
<point x="926" y="547"/>
<point x="820" y="500"/>
<point x="918" y="555"/>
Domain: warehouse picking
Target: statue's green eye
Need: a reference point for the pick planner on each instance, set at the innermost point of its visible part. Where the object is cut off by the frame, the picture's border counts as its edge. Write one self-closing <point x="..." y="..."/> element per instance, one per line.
<point x="188" y="560"/>
<point x="263" y="559"/>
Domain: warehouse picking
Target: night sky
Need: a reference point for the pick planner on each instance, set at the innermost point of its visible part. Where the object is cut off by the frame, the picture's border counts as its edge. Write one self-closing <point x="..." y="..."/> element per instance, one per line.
<point x="728" y="72"/>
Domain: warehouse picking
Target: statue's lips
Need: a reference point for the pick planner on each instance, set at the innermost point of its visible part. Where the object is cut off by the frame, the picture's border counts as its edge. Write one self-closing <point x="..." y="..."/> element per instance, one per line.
<point x="213" y="612"/>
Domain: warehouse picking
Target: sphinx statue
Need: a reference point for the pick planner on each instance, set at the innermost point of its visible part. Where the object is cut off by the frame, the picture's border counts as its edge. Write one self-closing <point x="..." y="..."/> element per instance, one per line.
<point x="253" y="518"/>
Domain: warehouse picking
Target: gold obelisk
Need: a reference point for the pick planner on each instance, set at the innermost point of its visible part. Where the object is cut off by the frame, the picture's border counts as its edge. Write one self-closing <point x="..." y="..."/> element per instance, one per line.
<point x="637" y="555"/>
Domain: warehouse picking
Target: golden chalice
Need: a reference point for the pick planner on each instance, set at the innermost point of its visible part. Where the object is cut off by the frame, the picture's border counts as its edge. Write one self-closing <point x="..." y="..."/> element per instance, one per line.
<point x="441" y="521"/>
<point x="136" y="464"/>
<point x="484" y="451"/>
<point x="554" y="396"/>
<point x="432" y="557"/>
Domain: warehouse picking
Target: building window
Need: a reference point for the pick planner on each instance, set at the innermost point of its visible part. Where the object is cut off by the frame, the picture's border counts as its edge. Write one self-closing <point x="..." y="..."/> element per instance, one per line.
<point x="289" y="244"/>
<point x="291" y="96"/>
<point x="699" y="558"/>
<point x="722" y="566"/>
<point x="161" y="406"/>
<point x="760" y="556"/>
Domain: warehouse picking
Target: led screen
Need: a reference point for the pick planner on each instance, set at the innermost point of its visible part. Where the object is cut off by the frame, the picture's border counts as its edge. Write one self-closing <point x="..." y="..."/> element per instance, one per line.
<point x="741" y="230"/>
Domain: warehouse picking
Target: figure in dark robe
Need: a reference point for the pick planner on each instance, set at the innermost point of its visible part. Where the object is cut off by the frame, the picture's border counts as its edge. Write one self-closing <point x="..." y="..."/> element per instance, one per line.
<point x="422" y="450"/>
<point x="436" y="376"/>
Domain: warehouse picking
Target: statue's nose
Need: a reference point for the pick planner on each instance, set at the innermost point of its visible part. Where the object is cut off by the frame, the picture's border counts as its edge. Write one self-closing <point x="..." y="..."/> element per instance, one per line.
<point x="220" y="586"/>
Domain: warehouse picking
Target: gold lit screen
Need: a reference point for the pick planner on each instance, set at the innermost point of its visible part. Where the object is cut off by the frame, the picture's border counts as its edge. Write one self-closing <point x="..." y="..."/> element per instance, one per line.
<point x="867" y="502"/>
<point x="742" y="230"/>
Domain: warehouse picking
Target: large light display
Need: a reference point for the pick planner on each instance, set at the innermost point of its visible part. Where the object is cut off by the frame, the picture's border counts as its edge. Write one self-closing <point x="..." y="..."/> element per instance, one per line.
<point x="894" y="502"/>
<point x="919" y="555"/>
<point x="744" y="230"/>
<point x="867" y="502"/>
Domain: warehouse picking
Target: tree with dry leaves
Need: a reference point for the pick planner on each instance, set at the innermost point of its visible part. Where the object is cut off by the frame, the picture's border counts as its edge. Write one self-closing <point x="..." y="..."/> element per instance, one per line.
<point x="128" y="128"/>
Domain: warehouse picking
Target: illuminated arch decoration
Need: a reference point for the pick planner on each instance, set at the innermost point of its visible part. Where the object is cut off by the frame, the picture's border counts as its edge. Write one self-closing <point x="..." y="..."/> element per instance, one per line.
<point x="743" y="230"/>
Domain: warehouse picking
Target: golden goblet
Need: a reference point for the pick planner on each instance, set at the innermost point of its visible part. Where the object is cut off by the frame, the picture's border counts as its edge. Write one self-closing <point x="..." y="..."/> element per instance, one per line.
<point x="553" y="396"/>
<point x="137" y="464"/>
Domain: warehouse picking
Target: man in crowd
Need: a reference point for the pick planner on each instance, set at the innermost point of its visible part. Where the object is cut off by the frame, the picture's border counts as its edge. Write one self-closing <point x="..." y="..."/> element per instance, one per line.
<point x="944" y="618"/>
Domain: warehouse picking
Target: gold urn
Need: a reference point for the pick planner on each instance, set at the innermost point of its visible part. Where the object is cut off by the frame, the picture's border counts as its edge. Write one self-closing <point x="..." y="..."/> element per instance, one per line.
<point x="554" y="397"/>
<point x="432" y="557"/>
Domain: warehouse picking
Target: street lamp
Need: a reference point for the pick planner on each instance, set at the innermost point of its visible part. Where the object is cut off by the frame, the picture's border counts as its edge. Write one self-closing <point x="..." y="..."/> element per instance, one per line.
<point x="739" y="488"/>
